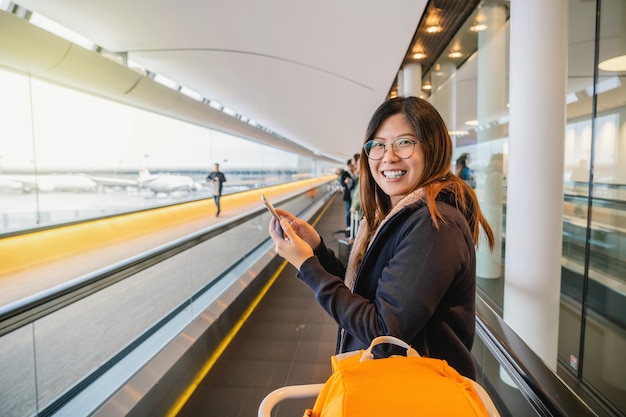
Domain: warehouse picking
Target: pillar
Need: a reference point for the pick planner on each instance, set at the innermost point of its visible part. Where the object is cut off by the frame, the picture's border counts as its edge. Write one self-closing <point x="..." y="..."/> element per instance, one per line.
<point x="412" y="79"/>
<point x="535" y="172"/>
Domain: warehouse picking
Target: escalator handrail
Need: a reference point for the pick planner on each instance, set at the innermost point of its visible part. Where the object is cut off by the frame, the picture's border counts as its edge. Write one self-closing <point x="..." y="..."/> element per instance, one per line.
<point x="540" y="385"/>
<point x="29" y="309"/>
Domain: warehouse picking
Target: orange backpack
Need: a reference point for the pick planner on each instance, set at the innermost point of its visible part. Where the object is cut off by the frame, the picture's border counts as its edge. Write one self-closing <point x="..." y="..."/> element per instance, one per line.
<point x="398" y="386"/>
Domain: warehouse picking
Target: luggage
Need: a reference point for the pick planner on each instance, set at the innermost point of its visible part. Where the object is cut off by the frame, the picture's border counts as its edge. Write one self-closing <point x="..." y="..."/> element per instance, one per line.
<point x="395" y="386"/>
<point x="345" y="245"/>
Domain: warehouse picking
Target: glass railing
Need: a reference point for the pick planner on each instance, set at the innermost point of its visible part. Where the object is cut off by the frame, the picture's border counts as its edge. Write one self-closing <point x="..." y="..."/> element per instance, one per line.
<point x="518" y="381"/>
<point x="61" y="343"/>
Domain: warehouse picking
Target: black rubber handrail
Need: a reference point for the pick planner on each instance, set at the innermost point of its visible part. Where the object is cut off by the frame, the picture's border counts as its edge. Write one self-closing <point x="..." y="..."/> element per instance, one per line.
<point x="29" y="309"/>
<point x="540" y="385"/>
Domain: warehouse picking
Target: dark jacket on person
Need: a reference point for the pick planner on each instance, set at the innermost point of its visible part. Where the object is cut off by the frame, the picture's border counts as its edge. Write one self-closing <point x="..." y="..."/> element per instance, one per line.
<point x="432" y="307"/>
<point x="347" y="183"/>
<point x="219" y="179"/>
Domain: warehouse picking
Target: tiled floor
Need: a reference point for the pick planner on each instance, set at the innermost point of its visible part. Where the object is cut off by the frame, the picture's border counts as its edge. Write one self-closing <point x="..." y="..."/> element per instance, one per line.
<point x="288" y="340"/>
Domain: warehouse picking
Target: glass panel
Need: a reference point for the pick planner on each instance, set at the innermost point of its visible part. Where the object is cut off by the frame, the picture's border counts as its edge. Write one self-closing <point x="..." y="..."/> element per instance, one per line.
<point x="508" y="398"/>
<point x="577" y="160"/>
<point x="80" y="156"/>
<point x="78" y="340"/>
<point x="604" y="363"/>
<point x="17" y="384"/>
<point x="17" y="156"/>
<point x="471" y="94"/>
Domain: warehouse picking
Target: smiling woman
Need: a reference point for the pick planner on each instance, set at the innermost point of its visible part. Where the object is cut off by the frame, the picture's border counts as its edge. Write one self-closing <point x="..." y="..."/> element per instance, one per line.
<point x="412" y="270"/>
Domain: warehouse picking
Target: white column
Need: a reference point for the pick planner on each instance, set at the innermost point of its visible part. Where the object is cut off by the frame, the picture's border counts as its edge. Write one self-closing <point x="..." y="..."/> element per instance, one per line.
<point x="400" y="77"/>
<point x="538" y="77"/>
<point x="412" y="79"/>
<point x="491" y="107"/>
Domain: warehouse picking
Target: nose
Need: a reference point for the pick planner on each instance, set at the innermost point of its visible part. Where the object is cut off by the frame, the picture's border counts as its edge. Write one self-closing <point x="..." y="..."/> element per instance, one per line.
<point x="389" y="153"/>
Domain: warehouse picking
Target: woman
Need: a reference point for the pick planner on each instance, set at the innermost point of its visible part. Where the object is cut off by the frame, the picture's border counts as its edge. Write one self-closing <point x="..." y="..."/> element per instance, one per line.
<point x="463" y="171"/>
<point x="412" y="270"/>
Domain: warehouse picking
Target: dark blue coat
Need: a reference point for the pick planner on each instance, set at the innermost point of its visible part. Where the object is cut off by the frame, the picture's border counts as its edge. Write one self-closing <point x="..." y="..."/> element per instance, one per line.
<point x="415" y="282"/>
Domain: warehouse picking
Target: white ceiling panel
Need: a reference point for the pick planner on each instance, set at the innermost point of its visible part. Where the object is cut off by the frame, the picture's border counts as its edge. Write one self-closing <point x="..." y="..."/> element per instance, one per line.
<point x="313" y="71"/>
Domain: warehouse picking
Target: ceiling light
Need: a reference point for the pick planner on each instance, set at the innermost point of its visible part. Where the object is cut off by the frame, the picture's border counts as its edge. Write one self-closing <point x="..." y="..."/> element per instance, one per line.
<point x="478" y="27"/>
<point x="229" y="112"/>
<point x="458" y="132"/>
<point x="215" y="105"/>
<point x="61" y="31"/>
<point x="604" y="86"/>
<point x="191" y="94"/>
<point x="419" y="55"/>
<point x="571" y="98"/>
<point x="427" y="87"/>
<point x="617" y="63"/>
<point x="434" y="29"/>
<point x="163" y="80"/>
<point x="455" y="54"/>
<point x="472" y="123"/>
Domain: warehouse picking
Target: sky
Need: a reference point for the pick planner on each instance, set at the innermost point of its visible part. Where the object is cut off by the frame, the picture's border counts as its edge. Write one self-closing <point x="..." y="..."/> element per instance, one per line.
<point x="73" y="131"/>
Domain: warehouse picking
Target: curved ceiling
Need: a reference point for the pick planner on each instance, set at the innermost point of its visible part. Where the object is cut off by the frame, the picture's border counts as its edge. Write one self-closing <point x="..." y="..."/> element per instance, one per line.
<point x="310" y="71"/>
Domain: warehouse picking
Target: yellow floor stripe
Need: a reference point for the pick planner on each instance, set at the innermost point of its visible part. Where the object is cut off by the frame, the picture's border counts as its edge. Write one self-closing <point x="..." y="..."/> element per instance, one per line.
<point x="223" y="345"/>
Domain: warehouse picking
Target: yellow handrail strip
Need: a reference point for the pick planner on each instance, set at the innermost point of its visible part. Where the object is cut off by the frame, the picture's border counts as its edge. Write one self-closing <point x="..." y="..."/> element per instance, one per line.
<point x="29" y="250"/>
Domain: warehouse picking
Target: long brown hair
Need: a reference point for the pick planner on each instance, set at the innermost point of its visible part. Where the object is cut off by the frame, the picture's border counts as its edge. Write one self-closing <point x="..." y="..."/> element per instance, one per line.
<point x="430" y="128"/>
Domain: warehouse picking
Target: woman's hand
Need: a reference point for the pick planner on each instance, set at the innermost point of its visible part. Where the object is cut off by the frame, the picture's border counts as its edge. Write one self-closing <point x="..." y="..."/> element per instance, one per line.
<point x="304" y="230"/>
<point x="295" y="239"/>
<point x="288" y="244"/>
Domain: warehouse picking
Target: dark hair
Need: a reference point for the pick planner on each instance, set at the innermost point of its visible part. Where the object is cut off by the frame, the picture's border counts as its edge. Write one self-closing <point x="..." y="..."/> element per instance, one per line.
<point x="437" y="146"/>
<point x="461" y="162"/>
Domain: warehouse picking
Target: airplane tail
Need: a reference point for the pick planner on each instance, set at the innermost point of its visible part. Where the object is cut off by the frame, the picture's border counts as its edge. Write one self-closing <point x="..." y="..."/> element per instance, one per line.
<point x="144" y="173"/>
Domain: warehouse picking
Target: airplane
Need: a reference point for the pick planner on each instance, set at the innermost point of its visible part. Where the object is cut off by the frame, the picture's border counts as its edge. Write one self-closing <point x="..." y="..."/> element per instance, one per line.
<point x="162" y="183"/>
<point x="47" y="183"/>
<point x="166" y="183"/>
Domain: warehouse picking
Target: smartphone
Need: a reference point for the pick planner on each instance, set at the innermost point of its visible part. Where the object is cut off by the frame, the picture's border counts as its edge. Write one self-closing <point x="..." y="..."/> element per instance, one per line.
<point x="270" y="207"/>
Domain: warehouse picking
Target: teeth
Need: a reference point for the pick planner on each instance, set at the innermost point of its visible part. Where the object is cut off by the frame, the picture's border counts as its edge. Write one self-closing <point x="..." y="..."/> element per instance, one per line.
<point x="394" y="174"/>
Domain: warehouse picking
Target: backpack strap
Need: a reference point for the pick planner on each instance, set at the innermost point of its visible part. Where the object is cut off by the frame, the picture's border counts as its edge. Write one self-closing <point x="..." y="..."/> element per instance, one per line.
<point x="368" y="355"/>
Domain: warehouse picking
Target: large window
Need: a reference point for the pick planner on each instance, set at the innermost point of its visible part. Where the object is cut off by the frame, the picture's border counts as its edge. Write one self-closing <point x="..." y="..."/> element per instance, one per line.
<point x="67" y="156"/>
<point x="472" y="95"/>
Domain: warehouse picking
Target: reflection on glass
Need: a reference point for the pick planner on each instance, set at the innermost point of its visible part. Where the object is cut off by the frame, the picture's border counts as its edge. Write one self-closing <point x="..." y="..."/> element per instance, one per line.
<point x="472" y="97"/>
<point x="604" y="367"/>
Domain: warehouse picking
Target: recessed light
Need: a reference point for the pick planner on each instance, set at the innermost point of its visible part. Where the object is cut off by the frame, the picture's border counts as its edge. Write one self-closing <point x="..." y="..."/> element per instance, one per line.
<point x="617" y="63"/>
<point x="478" y="27"/>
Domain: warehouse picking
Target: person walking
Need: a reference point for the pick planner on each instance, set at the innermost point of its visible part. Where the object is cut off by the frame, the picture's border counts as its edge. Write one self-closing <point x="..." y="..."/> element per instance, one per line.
<point x="217" y="178"/>
<point x="412" y="270"/>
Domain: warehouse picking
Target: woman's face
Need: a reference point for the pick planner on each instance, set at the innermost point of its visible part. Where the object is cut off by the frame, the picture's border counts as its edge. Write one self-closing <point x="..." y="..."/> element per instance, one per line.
<point x="395" y="176"/>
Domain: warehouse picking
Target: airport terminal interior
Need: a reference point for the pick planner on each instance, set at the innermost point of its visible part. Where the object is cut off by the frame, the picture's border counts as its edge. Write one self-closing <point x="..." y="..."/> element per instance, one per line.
<point x="125" y="292"/>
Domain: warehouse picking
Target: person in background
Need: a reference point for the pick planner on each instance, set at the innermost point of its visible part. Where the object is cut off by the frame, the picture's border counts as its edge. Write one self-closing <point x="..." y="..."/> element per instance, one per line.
<point x="412" y="270"/>
<point x="463" y="170"/>
<point x="355" y="199"/>
<point x="217" y="178"/>
<point x="347" y="180"/>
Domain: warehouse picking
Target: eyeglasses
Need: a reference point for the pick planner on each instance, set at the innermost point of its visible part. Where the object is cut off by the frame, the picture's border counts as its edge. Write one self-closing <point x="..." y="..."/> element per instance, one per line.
<point x="402" y="148"/>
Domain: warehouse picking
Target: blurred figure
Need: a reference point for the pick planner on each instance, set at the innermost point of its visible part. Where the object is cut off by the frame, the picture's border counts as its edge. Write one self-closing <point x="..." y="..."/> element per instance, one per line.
<point x="347" y="181"/>
<point x="356" y="213"/>
<point x="463" y="170"/>
<point x="217" y="178"/>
